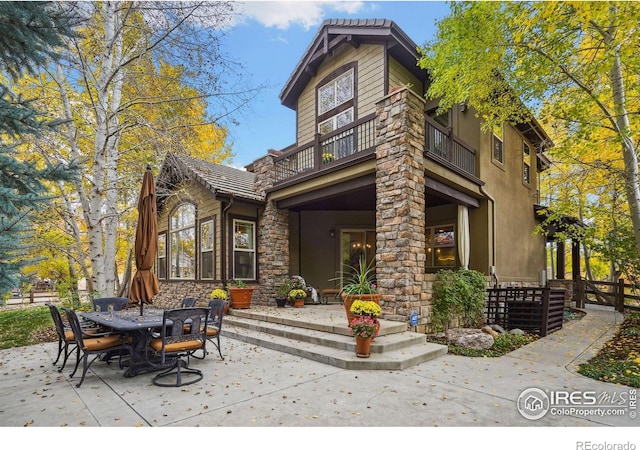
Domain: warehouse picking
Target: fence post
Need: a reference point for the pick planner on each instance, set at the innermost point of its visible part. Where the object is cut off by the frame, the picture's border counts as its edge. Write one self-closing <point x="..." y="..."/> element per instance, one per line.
<point x="579" y="293"/>
<point x="620" y="296"/>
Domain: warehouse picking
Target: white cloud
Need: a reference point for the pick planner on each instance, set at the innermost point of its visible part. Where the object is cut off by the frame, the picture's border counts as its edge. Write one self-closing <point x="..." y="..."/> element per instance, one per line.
<point x="307" y="14"/>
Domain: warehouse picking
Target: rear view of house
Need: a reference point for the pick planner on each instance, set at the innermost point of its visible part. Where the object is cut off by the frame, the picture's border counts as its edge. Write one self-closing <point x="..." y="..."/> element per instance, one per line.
<point x="375" y="174"/>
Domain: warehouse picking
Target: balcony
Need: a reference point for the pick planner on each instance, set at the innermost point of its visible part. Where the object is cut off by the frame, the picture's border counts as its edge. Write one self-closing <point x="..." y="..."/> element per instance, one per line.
<point x="328" y="151"/>
<point x="443" y="147"/>
<point x="357" y="141"/>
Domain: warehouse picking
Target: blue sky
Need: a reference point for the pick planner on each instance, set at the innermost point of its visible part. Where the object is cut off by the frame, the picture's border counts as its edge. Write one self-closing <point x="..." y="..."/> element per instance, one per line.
<point x="270" y="38"/>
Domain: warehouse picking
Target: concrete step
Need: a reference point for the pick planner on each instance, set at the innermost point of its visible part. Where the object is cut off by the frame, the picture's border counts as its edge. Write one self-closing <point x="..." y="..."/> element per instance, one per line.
<point x="325" y="337"/>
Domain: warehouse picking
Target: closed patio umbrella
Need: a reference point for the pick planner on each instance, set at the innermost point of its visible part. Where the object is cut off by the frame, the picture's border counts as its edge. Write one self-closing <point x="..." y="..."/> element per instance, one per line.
<point x="144" y="285"/>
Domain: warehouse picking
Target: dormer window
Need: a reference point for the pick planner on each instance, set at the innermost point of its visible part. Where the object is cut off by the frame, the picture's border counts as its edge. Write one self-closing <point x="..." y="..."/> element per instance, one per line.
<point x="335" y="93"/>
<point x="336" y="109"/>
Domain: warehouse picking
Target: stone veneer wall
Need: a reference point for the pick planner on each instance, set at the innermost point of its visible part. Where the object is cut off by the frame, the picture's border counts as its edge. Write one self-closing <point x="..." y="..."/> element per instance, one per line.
<point x="273" y="237"/>
<point x="400" y="210"/>
<point x="172" y="292"/>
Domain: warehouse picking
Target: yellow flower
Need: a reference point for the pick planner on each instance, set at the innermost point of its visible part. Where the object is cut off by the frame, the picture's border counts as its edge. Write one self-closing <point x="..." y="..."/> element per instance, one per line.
<point x="297" y="293"/>
<point x="365" y="308"/>
<point x="218" y="294"/>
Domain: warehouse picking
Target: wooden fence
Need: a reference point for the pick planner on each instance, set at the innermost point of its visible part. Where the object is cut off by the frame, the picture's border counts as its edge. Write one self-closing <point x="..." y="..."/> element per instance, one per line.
<point x="536" y="310"/>
<point x="616" y="294"/>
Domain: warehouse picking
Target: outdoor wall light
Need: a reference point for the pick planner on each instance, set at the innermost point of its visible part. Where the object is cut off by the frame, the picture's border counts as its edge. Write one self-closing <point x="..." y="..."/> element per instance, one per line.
<point x="332" y="233"/>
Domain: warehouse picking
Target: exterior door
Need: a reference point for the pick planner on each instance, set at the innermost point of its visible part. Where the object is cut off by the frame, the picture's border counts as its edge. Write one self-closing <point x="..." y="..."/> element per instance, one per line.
<point x="354" y="245"/>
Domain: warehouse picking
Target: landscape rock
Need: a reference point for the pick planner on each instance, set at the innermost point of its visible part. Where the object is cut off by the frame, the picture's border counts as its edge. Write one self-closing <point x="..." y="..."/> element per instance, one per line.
<point x="473" y="338"/>
<point x="497" y="328"/>
<point x="487" y="329"/>
<point x="517" y="331"/>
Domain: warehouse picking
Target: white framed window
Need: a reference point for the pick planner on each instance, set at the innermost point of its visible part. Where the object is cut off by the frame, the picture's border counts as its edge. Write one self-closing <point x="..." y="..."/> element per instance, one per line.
<point x="341" y="145"/>
<point x="336" y="92"/>
<point x="526" y="166"/>
<point x="207" y="253"/>
<point x="182" y="242"/>
<point x="244" y="249"/>
<point x="161" y="263"/>
<point x="338" y="121"/>
<point x="441" y="246"/>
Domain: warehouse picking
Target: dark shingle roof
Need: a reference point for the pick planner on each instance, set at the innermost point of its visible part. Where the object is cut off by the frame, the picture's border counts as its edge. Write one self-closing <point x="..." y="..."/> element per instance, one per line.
<point x="219" y="178"/>
<point x="358" y="30"/>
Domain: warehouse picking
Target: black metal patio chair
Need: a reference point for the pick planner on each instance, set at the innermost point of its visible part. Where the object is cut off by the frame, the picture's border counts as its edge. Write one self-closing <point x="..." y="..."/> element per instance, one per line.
<point x="93" y="344"/>
<point x="214" y="325"/>
<point x="102" y="304"/>
<point x="65" y="336"/>
<point x="183" y="334"/>
<point x="189" y="302"/>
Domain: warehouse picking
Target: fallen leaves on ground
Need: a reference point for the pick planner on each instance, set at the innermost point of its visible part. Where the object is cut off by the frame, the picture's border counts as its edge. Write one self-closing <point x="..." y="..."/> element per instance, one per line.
<point x="618" y="361"/>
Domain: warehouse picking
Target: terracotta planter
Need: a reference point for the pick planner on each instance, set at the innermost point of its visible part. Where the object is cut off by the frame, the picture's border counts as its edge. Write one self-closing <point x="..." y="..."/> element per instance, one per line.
<point x="363" y="346"/>
<point x="348" y="300"/>
<point x="298" y="302"/>
<point x="241" y="297"/>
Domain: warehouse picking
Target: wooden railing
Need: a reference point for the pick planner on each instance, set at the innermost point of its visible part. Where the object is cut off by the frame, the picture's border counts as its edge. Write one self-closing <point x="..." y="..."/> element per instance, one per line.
<point x="441" y="143"/>
<point x="327" y="150"/>
<point x="616" y="294"/>
<point x="539" y="310"/>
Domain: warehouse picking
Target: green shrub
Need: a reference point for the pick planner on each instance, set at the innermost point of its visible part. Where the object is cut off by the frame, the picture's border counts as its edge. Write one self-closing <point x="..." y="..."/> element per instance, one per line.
<point x="458" y="298"/>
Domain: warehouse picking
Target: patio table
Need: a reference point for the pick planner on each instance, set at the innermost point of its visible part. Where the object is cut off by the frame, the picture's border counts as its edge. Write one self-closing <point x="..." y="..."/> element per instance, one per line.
<point x="131" y="323"/>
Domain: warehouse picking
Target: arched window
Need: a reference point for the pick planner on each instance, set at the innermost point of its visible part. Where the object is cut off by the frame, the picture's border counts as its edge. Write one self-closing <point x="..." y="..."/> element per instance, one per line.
<point x="182" y="237"/>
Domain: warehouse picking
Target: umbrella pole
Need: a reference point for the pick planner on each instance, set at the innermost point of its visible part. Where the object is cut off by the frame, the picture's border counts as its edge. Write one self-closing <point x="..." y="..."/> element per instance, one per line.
<point x="141" y="307"/>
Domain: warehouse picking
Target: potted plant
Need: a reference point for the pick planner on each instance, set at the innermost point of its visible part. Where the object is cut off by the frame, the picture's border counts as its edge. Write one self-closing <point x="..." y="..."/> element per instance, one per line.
<point x="364" y="329"/>
<point x="282" y="292"/>
<point x="240" y="294"/>
<point x="367" y="308"/>
<point x="297" y="296"/>
<point x="359" y="286"/>
<point x="220" y="294"/>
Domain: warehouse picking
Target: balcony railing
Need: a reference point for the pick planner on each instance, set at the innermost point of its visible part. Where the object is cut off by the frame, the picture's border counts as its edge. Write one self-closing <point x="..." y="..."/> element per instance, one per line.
<point x="326" y="150"/>
<point x="348" y="142"/>
<point x="441" y="142"/>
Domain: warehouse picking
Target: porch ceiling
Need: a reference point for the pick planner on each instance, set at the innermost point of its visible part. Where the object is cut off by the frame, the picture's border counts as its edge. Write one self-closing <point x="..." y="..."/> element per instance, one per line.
<point x="362" y="199"/>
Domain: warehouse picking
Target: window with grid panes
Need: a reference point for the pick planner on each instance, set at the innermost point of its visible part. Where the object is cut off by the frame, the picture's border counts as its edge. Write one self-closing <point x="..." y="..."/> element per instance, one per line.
<point x="440" y="246"/>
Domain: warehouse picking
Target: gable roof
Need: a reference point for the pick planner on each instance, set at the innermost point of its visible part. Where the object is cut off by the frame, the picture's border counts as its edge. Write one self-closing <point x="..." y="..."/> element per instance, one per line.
<point x="219" y="179"/>
<point x="335" y="32"/>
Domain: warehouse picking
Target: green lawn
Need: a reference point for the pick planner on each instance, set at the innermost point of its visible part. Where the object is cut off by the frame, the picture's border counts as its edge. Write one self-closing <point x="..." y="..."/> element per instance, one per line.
<point x="18" y="327"/>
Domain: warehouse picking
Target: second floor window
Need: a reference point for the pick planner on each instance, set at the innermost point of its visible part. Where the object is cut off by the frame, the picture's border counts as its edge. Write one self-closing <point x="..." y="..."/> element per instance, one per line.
<point x="182" y="242"/>
<point x="498" y="151"/>
<point x="526" y="167"/>
<point x="335" y="93"/>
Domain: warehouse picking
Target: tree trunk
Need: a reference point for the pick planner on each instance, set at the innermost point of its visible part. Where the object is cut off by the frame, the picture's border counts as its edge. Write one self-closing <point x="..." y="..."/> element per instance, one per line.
<point x="629" y="150"/>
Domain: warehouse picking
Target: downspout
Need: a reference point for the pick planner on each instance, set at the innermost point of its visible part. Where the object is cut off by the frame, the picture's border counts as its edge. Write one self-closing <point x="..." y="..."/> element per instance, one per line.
<point x="224" y="242"/>
<point x="492" y="267"/>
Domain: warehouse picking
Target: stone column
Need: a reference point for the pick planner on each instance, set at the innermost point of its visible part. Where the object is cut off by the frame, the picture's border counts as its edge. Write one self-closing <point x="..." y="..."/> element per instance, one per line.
<point x="400" y="210"/>
<point x="273" y="235"/>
